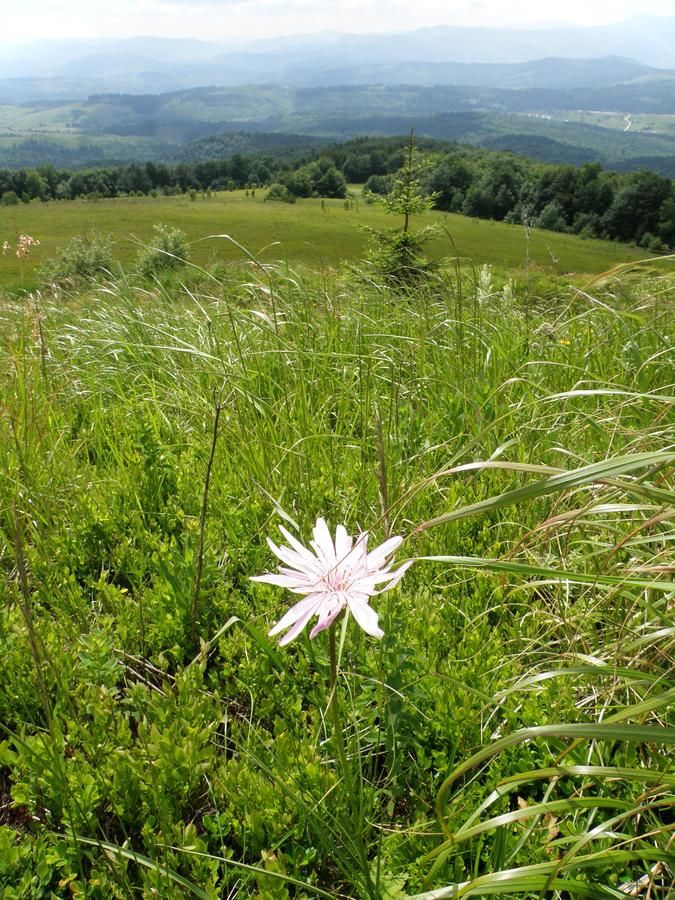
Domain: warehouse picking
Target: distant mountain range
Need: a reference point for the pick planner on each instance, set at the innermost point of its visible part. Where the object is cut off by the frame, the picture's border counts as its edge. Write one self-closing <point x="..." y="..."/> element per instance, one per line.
<point x="552" y="73"/>
<point x="559" y="94"/>
<point x="573" y="57"/>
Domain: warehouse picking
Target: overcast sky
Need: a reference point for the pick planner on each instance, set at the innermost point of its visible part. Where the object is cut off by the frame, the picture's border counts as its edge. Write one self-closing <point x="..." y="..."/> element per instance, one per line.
<point x="226" y="20"/>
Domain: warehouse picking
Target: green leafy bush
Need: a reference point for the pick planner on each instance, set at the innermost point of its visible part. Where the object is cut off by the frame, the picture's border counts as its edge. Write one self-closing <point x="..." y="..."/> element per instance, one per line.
<point x="82" y="258"/>
<point x="169" y="250"/>
<point x="280" y="194"/>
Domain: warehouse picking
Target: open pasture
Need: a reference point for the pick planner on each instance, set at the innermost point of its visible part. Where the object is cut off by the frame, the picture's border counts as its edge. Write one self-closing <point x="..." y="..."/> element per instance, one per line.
<point x="311" y="232"/>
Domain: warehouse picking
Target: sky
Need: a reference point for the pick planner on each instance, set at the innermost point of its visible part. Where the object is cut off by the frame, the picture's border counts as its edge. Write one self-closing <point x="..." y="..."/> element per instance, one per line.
<point x="243" y="20"/>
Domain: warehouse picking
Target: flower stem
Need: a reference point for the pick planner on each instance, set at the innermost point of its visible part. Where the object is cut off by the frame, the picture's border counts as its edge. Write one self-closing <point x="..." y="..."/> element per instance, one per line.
<point x="335" y="714"/>
<point x="194" y="619"/>
<point x="338" y="736"/>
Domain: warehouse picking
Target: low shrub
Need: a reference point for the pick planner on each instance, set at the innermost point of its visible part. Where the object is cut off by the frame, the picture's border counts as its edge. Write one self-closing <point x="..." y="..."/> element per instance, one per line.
<point x="280" y="193"/>
<point x="81" y="259"/>
<point x="169" y="250"/>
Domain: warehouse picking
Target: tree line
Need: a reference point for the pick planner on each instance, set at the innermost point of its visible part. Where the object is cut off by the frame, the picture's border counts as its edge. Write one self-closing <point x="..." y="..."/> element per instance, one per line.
<point x="586" y="200"/>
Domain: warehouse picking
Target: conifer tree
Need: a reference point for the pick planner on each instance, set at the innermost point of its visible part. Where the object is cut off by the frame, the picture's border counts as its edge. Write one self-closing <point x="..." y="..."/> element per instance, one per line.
<point x="398" y="253"/>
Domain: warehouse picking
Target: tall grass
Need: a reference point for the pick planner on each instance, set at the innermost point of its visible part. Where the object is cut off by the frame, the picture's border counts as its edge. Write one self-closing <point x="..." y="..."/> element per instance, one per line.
<point x="510" y="733"/>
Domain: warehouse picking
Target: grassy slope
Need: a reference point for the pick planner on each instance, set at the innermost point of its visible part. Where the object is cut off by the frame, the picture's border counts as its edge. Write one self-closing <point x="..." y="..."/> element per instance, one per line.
<point x="301" y="233"/>
<point x="338" y="400"/>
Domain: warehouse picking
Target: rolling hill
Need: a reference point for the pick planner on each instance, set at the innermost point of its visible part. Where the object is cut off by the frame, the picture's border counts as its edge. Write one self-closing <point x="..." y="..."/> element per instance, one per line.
<point x="532" y="121"/>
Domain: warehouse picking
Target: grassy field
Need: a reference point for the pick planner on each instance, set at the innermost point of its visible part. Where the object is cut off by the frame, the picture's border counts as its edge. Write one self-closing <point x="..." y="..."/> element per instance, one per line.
<point x="312" y="232"/>
<point x="510" y="733"/>
<point x="639" y="122"/>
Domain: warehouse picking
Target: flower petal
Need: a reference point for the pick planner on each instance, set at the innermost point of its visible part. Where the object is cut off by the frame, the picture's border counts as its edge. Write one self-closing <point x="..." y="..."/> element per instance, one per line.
<point x="302" y="609"/>
<point x="293" y="632"/>
<point x="327" y="617"/>
<point x="366" y="617"/>
<point x="304" y="562"/>
<point x="354" y="564"/>
<point x="395" y="577"/>
<point x="377" y="556"/>
<point x="323" y="543"/>
<point x="343" y="543"/>
<point x="296" y="545"/>
<point x="292" y="582"/>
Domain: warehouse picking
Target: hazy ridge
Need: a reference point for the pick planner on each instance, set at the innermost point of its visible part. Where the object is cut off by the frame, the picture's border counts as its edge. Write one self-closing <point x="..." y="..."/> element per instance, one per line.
<point x="440" y="55"/>
<point x="558" y="94"/>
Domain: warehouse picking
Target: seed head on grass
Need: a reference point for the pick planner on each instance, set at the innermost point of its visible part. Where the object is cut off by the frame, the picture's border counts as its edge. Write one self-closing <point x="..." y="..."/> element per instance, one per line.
<point x="24" y="242"/>
<point x="334" y="576"/>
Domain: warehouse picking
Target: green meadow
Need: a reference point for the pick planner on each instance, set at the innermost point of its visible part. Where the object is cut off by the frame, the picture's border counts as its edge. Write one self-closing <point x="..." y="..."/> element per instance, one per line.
<point x="639" y="122"/>
<point x="312" y="232"/>
<point x="511" y="729"/>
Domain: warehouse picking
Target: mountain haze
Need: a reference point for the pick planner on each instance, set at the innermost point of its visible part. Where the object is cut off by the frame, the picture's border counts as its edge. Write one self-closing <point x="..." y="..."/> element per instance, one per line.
<point x="439" y="55"/>
<point x="570" y="94"/>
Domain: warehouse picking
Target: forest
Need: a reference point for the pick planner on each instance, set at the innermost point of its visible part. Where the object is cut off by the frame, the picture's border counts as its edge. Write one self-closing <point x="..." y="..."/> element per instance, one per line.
<point x="635" y="207"/>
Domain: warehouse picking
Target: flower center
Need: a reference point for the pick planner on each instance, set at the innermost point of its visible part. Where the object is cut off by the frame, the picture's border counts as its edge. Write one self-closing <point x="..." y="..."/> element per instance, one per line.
<point x="336" y="581"/>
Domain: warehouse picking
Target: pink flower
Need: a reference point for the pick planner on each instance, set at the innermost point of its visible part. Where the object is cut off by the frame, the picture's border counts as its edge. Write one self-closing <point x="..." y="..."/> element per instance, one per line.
<point x="334" y="576"/>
